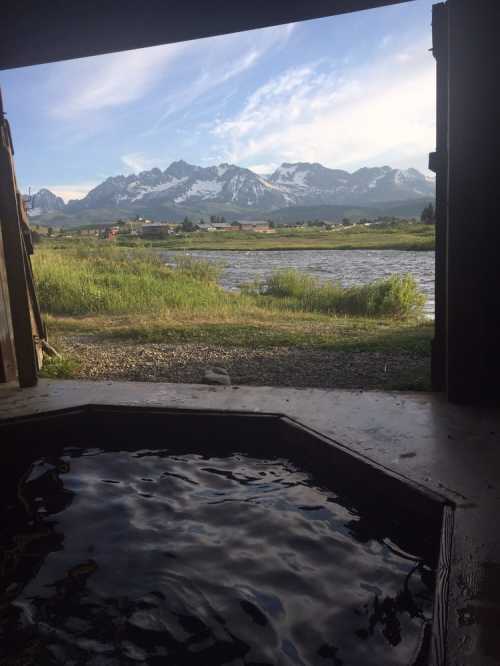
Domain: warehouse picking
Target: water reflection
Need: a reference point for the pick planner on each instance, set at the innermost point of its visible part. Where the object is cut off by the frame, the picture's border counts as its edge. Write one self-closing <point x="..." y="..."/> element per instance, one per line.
<point x="144" y="556"/>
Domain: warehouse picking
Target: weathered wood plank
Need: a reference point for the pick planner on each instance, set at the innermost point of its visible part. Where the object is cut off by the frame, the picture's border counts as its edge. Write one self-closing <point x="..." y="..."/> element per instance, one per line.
<point x="37" y="323"/>
<point x="439" y="628"/>
<point x="15" y="265"/>
<point x="8" y="367"/>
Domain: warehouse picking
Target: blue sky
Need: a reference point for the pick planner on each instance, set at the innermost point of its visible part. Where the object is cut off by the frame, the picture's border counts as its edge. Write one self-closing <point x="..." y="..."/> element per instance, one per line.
<point x="347" y="91"/>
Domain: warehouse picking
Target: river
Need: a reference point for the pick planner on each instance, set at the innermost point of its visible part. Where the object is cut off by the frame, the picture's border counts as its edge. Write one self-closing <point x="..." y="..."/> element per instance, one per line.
<point x="349" y="267"/>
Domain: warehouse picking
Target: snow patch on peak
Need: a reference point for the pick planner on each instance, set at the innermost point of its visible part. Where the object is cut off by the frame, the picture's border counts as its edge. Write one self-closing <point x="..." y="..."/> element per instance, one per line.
<point x="206" y="189"/>
<point x="399" y="177"/>
<point x="222" y="169"/>
<point x="374" y="182"/>
<point x="285" y="172"/>
<point x="291" y="184"/>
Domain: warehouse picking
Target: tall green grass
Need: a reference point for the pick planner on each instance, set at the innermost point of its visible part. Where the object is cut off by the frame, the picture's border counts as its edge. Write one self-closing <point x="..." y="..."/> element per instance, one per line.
<point x="93" y="279"/>
<point x="98" y="279"/>
<point x="395" y="296"/>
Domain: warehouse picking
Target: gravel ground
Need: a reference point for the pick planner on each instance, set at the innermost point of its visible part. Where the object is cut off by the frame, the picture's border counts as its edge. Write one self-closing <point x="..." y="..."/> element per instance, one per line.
<point x="279" y="366"/>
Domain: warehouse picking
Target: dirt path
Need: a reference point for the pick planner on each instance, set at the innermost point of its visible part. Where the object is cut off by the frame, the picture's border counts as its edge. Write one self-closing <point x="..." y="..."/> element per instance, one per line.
<point x="279" y="366"/>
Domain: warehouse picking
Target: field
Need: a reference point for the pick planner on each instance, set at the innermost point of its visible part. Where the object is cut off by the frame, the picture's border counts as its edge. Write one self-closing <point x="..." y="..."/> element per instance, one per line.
<point x="112" y="296"/>
<point x="402" y="236"/>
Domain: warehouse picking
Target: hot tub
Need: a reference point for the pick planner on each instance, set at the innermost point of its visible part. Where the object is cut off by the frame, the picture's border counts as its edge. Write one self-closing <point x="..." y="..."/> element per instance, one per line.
<point x="133" y="535"/>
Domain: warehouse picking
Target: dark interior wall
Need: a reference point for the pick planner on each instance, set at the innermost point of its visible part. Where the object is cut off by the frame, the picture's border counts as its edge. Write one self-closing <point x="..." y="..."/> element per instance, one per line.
<point x="473" y="264"/>
<point x="34" y="31"/>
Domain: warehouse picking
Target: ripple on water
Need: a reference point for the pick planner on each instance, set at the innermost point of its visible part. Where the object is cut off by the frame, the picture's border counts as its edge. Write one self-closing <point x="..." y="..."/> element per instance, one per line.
<point x="349" y="267"/>
<point x="134" y="557"/>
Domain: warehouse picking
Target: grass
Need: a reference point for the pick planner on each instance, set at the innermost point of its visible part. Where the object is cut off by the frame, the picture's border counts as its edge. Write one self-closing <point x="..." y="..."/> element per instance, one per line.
<point x="404" y="236"/>
<point x="395" y="296"/>
<point x="97" y="279"/>
<point x="92" y="279"/>
<point x="349" y="334"/>
<point x="59" y="368"/>
<point x="128" y="294"/>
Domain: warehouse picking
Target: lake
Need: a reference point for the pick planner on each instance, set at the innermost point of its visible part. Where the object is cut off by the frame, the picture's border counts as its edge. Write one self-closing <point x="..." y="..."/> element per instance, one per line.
<point x="348" y="267"/>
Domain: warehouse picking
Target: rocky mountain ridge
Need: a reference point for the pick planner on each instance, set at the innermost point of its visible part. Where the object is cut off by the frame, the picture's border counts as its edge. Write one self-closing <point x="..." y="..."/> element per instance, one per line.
<point x="230" y="188"/>
<point x="44" y="201"/>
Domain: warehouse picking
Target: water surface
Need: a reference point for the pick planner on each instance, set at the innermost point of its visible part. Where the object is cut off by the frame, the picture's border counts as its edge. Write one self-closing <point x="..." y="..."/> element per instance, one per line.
<point x="155" y="558"/>
<point x="349" y="267"/>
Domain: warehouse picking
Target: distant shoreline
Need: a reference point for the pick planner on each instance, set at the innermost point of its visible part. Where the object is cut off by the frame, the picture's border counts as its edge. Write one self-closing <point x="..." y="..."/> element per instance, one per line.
<point x="292" y="249"/>
<point x="393" y="235"/>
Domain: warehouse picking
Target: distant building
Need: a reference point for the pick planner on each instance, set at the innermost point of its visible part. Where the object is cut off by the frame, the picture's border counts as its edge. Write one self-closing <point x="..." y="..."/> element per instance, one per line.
<point x="218" y="226"/>
<point x="157" y="229"/>
<point x="110" y="233"/>
<point x="258" y="226"/>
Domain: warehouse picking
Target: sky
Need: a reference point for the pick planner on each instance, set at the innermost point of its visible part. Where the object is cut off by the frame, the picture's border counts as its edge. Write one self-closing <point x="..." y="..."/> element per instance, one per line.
<point x="346" y="91"/>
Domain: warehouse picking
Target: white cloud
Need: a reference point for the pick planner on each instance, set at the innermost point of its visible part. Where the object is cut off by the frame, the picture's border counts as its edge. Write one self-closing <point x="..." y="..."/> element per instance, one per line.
<point x="112" y="80"/>
<point x="137" y="162"/>
<point x="205" y="82"/>
<point x="71" y="191"/>
<point x="403" y="57"/>
<point x="264" y="169"/>
<point x="217" y="61"/>
<point x="345" y="117"/>
<point x="385" y="41"/>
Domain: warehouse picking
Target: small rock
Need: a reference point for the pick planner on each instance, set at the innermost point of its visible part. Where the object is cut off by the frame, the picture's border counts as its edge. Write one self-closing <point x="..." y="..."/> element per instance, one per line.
<point x="219" y="370"/>
<point x="216" y="375"/>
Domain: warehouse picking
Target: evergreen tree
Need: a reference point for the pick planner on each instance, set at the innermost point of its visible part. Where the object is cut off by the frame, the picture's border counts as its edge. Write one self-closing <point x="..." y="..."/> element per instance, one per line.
<point x="428" y="215"/>
<point x="187" y="225"/>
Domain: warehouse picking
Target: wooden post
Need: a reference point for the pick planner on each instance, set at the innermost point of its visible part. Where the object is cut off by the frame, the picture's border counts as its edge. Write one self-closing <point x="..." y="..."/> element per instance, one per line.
<point x="8" y="367"/>
<point x="15" y="263"/>
<point x="438" y="163"/>
<point x="473" y="301"/>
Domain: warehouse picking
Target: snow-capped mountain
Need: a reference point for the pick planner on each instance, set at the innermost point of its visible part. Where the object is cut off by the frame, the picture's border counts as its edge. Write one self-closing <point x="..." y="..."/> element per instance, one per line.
<point x="183" y="184"/>
<point x="186" y="186"/>
<point x="44" y="201"/>
<point x="314" y="184"/>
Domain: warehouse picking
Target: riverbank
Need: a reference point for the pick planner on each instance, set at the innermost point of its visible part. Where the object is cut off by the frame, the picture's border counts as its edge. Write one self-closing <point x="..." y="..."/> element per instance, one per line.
<point x="260" y="349"/>
<point x="405" y="236"/>
<point x="311" y="367"/>
<point x="121" y="313"/>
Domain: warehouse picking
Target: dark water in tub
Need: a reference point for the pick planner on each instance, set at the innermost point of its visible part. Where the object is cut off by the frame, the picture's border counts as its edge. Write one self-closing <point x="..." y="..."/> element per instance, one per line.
<point x="146" y="557"/>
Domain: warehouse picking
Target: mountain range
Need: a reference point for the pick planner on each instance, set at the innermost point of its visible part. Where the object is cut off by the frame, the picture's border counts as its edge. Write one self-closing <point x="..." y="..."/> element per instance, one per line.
<point x="185" y="189"/>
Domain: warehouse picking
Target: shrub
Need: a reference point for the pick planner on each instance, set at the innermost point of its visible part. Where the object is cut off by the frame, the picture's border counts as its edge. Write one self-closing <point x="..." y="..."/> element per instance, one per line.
<point x="59" y="368"/>
<point x="396" y="295"/>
